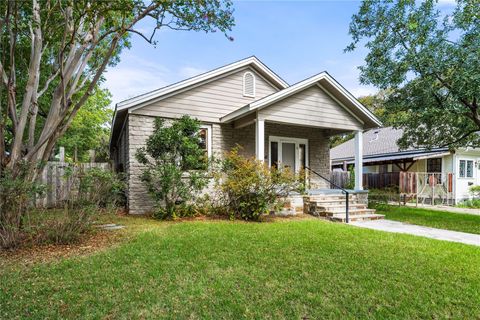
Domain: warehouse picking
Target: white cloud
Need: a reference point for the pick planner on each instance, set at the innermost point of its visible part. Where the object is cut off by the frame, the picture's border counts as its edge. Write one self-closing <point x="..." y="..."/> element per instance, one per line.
<point x="134" y="76"/>
<point x="361" y="91"/>
<point x="188" y="72"/>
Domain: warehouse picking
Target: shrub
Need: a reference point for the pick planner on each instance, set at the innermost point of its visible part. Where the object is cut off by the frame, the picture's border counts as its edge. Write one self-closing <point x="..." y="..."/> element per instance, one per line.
<point x="246" y="188"/>
<point x="174" y="166"/>
<point x="100" y="188"/>
<point x="64" y="226"/>
<point x="380" y="197"/>
<point x="17" y="194"/>
<point x="475" y="191"/>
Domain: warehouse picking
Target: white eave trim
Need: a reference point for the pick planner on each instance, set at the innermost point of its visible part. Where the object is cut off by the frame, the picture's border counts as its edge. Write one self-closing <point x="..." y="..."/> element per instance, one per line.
<point x="433" y="155"/>
<point x="200" y="78"/>
<point x="294" y="89"/>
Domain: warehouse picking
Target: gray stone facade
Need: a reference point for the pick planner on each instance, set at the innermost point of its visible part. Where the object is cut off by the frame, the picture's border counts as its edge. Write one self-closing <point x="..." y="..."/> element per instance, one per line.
<point x="224" y="138"/>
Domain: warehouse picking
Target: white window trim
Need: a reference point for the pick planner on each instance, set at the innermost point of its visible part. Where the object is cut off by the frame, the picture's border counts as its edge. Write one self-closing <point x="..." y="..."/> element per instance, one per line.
<point x="254" y="85"/>
<point x="297" y="142"/>
<point x="209" y="138"/>
<point x="466" y="163"/>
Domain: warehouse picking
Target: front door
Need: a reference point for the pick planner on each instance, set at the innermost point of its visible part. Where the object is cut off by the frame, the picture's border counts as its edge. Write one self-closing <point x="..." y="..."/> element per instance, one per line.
<point x="287" y="152"/>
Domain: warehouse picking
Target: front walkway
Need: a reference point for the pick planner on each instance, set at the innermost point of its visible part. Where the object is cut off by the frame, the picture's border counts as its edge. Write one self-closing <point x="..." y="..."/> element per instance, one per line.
<point x="401" y="227"/>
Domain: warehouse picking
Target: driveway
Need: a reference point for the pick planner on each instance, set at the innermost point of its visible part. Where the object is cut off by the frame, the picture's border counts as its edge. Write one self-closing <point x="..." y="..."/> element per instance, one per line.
<point x="401" y="227"/>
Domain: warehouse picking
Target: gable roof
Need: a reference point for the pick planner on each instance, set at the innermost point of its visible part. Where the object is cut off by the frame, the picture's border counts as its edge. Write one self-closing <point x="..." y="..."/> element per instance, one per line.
<point x="121" y="108"/>
<point x="250" y="61"/>
<point x="380" y="145"/>
<point x="327" y="83"/>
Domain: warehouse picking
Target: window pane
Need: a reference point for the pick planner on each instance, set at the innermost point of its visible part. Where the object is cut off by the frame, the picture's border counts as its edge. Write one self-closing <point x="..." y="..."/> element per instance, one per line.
<point x="462" y="168"/>
<point x="274" y="155"/>
<point x="202" y="135"/>
<point x="434" y="165"/>
<point x="470" y="168"/>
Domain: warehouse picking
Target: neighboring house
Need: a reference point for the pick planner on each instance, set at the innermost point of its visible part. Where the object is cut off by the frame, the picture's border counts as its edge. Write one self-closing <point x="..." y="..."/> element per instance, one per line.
<point x="456" y="169"/>
<point x="243" y="103"/>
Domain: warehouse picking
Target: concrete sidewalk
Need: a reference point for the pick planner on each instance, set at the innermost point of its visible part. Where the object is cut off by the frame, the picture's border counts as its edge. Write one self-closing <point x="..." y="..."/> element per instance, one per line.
<point x="433" y="233"/>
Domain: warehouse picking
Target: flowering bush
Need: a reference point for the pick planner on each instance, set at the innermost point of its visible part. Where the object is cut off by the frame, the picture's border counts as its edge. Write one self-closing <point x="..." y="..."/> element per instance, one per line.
<point x="246" y="188"/>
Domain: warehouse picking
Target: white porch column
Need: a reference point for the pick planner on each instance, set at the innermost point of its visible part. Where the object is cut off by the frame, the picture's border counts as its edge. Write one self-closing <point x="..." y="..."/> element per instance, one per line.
<point x="359" y="160"/>
<point x="260" y="139"/>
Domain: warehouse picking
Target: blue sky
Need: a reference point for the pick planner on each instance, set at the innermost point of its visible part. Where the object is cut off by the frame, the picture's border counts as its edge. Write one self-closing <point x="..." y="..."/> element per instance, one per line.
<point x="296" y="39"/>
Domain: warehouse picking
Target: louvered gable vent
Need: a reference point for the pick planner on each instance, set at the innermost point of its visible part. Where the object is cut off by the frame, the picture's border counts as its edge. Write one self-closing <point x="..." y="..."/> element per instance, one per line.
<point x="248" y="84"/>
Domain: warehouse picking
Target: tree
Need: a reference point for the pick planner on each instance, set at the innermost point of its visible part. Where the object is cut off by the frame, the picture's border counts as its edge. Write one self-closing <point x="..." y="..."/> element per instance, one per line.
<point x="429" y="62"/>
<point x="53" y="55"/>
<point x="174" y="164"/>
<point x="90" y="129"/>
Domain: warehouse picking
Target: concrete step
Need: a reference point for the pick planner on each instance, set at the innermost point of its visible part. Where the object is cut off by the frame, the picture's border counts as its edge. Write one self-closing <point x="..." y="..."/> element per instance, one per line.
<point x="341" y="217"/>
<point x="351" y="208"/>
<point x="331" y="201"/>
<point x="330" y="198"/>
<point x="336" y="206"/>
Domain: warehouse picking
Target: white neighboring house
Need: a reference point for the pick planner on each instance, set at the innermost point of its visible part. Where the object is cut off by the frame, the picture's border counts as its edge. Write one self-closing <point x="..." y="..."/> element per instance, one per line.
<point x="458" y="169"/>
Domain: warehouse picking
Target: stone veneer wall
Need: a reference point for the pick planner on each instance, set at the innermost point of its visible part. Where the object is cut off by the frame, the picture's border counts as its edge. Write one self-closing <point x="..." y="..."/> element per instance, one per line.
<point x="224" y="137"/>
<point x="139" y="129"/>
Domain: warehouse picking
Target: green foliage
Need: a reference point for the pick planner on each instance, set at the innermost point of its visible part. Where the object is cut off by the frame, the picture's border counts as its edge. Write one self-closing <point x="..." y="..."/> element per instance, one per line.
<point x="90" y="129"/>
<point x="247" y="188"/>
<point x="17" y="193"/>
<point x="472" y="203"/>
<point x="100" y="188"/>
<point x="377" y="198"/>
<point x="428" y="61"/>
<point x="175" y="165"/>
<point x="351" y="178"/>
<point x="475" y="191"/>
<point x="64" y="226"/>
<point x="339" y="139"/>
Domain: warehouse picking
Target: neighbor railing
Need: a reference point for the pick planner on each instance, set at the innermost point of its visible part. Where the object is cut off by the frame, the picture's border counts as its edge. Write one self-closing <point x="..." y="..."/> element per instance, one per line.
<point x="336" y="187"/>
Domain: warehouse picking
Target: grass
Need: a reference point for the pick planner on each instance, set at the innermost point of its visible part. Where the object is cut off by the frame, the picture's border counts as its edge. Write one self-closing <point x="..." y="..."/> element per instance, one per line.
<point x="433" y="218"/>
<point x="288" y="269"/>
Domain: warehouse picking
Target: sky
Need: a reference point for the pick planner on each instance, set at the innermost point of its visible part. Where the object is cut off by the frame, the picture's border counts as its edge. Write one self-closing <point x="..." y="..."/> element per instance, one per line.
<point x="296" y="39"/>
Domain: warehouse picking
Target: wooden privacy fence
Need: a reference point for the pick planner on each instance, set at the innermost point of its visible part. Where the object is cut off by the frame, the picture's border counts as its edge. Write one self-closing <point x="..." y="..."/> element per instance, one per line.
<point x="370" y="180"/>
<point x="381" y="180"/>
<point x="340" y="178"/>
<point x="61" y="181"/>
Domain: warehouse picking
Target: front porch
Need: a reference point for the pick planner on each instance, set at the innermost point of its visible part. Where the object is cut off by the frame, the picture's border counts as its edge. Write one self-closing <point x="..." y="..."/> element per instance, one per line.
<point x="291" y="129"/>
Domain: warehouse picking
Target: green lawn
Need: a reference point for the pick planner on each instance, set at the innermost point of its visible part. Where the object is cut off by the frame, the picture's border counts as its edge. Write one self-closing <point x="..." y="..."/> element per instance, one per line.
<point x="433" y="218"/>
<point x="291" y="269"/>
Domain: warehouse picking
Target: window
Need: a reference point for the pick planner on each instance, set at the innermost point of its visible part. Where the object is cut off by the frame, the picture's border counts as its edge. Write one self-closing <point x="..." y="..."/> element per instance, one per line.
<point x="466" y="169"/>
<point x="434" y="165"/>
<point x="204" y="142"/>
<point x="249" y="84"/>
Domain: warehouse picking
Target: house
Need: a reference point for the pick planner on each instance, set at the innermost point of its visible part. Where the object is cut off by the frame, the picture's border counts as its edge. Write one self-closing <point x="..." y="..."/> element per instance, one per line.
<point x="248" y="104"/>
<point x="453" y="171"/>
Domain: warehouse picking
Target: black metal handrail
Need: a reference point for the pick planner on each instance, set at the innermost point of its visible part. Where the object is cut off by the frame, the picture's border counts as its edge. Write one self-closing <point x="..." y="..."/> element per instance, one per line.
<point x="338" y="187"/>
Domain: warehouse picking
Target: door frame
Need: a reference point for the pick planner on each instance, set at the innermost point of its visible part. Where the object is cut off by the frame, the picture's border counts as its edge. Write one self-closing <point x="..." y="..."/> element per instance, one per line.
<point x="296" y="141"/>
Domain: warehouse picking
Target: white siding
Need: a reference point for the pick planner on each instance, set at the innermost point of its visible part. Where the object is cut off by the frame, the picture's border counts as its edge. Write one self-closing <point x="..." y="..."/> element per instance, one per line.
<point x="462" y="185"/>
<point x="311" y="107"/>
<point x="210" y="101"/>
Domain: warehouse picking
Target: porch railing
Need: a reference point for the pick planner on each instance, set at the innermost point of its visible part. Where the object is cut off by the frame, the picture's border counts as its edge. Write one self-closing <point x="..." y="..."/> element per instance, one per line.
<point x="335" y="187"/>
